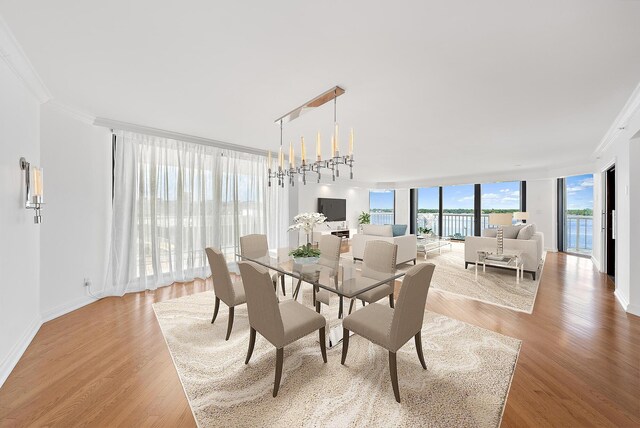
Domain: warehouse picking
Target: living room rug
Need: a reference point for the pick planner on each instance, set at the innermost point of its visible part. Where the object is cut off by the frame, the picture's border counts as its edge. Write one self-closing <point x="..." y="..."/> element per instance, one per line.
<point x="495" y="286"/>
<point x="469" y="371"/>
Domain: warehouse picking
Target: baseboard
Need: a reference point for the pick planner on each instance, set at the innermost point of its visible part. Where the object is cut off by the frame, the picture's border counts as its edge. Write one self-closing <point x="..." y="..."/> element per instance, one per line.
<point x="67" y="307"/>
<point x="596" y="263"/>
<point x="633" y="310"/>
<point x="18" y="349"/>
<point x="551" y="250"/>
<point x="621" y="299"/>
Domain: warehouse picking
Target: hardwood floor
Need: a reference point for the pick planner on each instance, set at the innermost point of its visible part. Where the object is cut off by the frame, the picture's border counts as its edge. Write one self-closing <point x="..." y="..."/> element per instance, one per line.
<point x="107" y="364"/>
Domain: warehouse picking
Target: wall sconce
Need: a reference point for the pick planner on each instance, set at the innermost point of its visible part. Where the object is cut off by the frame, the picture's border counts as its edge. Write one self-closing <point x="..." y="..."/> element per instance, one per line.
<point x="33" y="181"/>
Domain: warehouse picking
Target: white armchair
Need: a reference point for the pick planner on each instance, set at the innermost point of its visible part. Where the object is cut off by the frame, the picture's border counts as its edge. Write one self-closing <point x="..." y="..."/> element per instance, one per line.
<point x="407" y="244"/>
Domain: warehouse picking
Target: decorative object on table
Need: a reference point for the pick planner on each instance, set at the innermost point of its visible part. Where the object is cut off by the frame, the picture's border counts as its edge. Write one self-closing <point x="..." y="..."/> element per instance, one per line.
<point x="424" y="231"/>
<point x="522" y="216"/>
<point x="307" y="222"/>
<point x="316" y="166"/>
<point x="500" y="219"/>
<point x="33" y="194"/>
<point x="305" y="255"/>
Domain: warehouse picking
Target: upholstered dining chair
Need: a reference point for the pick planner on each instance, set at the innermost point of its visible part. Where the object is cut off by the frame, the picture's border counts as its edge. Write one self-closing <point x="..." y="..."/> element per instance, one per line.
<point x="329" y="246"/>
<point x="392" y="328"/>
<point x="281" y="323"/>
<point x="379" y="262"/>
<point x="256" y="246"/>
<point x="231" y="293"/>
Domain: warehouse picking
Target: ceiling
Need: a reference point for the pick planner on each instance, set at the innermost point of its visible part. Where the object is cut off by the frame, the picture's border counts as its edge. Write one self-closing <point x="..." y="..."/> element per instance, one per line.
<point x="434" y="89"/>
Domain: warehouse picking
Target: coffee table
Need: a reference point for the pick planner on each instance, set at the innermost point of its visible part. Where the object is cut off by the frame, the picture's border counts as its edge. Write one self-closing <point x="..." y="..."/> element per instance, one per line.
<point x="512" y="260"/>
<point x="428" y="244"/>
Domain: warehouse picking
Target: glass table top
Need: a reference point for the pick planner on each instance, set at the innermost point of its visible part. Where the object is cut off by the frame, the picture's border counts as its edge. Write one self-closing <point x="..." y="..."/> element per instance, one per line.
<point x="345" y="279"/>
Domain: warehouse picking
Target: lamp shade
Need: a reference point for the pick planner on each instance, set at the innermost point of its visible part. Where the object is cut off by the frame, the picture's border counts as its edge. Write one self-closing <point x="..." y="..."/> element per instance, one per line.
<point x="500" y="219"/>
<point x="521" y="215"/>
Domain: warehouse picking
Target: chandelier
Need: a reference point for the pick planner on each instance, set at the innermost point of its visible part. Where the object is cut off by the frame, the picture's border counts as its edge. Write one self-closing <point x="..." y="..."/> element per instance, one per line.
<point x="315" y="165"/>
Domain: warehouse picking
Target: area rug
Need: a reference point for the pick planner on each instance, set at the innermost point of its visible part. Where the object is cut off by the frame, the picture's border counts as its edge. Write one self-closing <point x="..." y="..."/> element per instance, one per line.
<point x="469" y="371"/>
<point x="494" y="286"/>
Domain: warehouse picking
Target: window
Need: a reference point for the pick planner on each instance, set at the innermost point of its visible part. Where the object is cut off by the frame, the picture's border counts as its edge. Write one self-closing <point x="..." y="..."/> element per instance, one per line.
<point x="578" y="214"/>
<point x="499" y="198"/>
<point x="458" y="211"/>
<point x="381" y="206"/>
<point x="428" y="210"/>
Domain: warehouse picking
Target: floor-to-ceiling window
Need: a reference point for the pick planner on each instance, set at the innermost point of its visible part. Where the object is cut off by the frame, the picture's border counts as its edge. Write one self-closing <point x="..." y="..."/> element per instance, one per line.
<point x="428" y="210"/>
<point x="578" y="214"/>
<point x="503" y="197"/>
<point x="458" y="211"/>
<point x="381" y="206"/>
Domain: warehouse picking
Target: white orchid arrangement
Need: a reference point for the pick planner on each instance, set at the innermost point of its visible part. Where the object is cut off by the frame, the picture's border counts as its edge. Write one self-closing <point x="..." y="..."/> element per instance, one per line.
<point x="307" y="221"/>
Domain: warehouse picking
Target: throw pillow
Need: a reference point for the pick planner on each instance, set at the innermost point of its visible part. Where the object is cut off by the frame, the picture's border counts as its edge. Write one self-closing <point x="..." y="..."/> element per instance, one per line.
<point x="490" y="233"/>
<point x="399" y="229"/>
<point x="526" y="232"/>
<point x="511" y="232"/>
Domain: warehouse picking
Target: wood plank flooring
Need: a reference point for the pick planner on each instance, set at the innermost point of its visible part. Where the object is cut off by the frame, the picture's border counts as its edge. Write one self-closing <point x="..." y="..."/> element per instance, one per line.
<point x="107" y="364"/>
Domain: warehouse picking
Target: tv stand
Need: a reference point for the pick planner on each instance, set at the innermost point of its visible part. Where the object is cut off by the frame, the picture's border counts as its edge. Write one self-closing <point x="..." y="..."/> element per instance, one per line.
<point x="340" y="232"/>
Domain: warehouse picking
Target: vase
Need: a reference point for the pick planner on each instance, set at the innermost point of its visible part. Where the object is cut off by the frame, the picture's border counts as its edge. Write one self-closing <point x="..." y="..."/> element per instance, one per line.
<point x="306" y="260"/>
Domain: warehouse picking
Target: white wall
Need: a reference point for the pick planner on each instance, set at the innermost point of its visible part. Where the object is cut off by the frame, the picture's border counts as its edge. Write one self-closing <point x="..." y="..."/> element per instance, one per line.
<point x="19" y="236"/>
<point x="542" y="209"/>
<point x="627" y="162"/>
<point x="357" y="198"/>
<point x="75" y="230"/>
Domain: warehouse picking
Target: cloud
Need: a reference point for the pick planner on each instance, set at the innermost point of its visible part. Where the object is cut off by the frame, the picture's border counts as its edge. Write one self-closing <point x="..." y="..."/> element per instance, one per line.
<point x="466" y="198"/>
<point x="490" y="196"/>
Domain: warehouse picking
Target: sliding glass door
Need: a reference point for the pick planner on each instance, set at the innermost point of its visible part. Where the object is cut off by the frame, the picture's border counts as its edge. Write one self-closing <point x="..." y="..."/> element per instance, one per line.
<point x="427" y="218"/>
<point x="381" y="206"/>
<point x="501" y="197"/>
<point x="458" y="211"/>
<point x="577" y="215"/>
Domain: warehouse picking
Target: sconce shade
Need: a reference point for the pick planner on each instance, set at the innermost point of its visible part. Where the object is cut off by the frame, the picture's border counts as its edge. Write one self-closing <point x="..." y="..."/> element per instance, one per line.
<point x="500" y="219"/>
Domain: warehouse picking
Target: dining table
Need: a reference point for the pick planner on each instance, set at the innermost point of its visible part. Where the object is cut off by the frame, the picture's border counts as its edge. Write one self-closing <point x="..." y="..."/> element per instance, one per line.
<point x="344" y="280"/>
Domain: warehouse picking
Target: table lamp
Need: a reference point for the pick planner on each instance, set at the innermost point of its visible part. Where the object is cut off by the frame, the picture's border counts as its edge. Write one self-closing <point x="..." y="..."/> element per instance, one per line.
<point x="500" y="219"/>
<point x="523" y="216"/>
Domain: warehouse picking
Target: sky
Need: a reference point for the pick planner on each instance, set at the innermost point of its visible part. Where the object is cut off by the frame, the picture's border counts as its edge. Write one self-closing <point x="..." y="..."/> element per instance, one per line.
<point x="381" y="199"/>
<point x="579" y="191"/>
<point x="494" y="195"/>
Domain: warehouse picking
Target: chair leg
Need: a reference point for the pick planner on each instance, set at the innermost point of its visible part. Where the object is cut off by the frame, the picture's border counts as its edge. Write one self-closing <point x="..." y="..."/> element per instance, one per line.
<point x="340" y="307"/>
<point x="391" y="300"/>
<point x="363" y="303"/>
<point x="323" y="344"/>
<point x="351" y="306"/>
<point x="393" y="370"/>
<point x="418" y="338"/>
<point x="215" y="310"/>
<point x="279" y="359"/>
<point x="284" y="293"/>
<point x="252" y="342"/>
<point x="345" y="344"/>
<point x="230" y="324"/>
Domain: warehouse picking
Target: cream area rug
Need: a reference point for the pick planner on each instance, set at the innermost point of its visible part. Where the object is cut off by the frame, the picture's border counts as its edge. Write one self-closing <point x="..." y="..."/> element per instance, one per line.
<point x="469" y="371"/>
<point x="495" y="286"/>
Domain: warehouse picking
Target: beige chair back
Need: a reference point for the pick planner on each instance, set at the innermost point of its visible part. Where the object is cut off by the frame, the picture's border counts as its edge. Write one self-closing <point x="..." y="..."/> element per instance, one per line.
<point x="329" y="247"/>
<point x="254" y="246"/>
<point x="379" y="259"/>
<point x="409" y="310"/>
<point x="222" y="284"/>
<point x="262" y="304"/>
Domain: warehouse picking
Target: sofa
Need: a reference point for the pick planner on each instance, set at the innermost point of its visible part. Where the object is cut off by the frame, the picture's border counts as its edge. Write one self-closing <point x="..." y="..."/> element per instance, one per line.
<point x="523" y="238"/>
<point x="407" y="244"/>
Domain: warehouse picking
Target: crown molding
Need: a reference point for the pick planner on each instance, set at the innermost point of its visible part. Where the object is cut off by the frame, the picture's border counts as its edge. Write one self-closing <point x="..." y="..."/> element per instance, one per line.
<point x="621" y="122"/>
<point x="69" y="111"/>
<point x="13" y="55"/>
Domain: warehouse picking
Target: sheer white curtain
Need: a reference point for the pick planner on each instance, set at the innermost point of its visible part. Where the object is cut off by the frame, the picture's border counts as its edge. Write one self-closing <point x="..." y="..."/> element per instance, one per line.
<point x="172" y="199"/>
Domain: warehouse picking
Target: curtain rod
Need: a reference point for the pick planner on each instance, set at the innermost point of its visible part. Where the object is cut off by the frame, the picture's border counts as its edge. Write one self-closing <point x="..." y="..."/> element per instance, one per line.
<point x="124" y="126"/>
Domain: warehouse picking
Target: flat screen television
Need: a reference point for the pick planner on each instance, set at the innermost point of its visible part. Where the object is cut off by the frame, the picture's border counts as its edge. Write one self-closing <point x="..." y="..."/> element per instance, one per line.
<point x="333" y="209"/>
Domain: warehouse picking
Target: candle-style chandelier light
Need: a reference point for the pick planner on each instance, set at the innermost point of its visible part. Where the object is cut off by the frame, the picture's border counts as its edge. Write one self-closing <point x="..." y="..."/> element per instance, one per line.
<point x="282" y="171"/>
